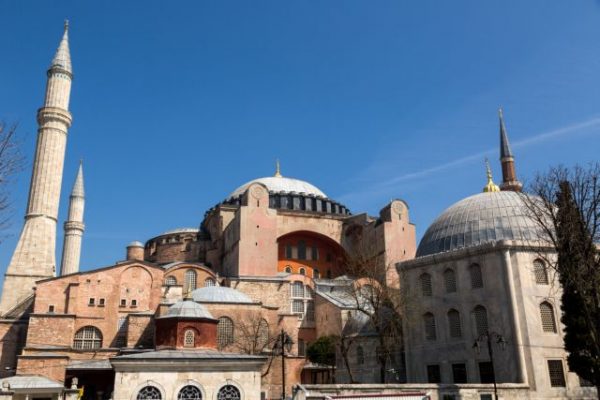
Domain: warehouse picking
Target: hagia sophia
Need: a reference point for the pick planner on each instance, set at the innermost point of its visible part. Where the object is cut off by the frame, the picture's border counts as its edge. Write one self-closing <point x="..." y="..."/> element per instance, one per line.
<point x="205" y="312"/>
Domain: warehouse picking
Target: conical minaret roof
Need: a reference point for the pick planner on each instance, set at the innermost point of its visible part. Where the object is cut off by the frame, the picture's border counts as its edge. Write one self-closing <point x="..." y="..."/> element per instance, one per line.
<point x="62" y="58"/>
<point x="78" y="190"/>
<point x="505" y="151"/>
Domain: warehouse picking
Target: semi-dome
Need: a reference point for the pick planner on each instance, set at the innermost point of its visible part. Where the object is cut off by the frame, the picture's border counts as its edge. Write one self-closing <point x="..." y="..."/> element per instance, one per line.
<point x="281" y="184"/>
<point x="481" y="218"/>
<point x="219" y="294"/>
<point x="187" y="309"/>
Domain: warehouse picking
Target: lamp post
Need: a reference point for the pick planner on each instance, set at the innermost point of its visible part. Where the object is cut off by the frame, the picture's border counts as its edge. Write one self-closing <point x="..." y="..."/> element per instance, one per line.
<point x="284" y="342"/>
<point x="489" y="338"/>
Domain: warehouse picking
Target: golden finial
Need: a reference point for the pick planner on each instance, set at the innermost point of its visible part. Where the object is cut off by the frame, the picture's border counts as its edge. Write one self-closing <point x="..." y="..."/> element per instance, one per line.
<point x="490" y="186"/>
<point x="277" y="169"/>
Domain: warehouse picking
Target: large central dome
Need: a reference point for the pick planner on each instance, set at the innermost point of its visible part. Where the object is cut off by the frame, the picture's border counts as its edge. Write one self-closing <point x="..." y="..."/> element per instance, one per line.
<point x="281" y="184"/>
<point x="484" y="217"/>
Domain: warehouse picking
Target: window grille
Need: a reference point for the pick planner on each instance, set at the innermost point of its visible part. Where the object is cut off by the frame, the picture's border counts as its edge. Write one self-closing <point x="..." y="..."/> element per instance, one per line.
<point x="224" y="332"/>
<point x="426" y="288"/>
<point x="557" y="374"/>
<point x="481" y="320"/>
<point x="301" y="250"/>
<point x="540" y="271"/>
<point x="454" y="324"/>
<point x="88" y="338"/>
<point x="189" y="392"/>
<point x="450" y="281"/>
<point x="149" y="393"/>
<point x="190" y="280"/>
<point x="548" y="320"/>
<point x="228" y="392"/>
<point x="360" y="355"/>
<point x="429" y="322"/>
<point x="288" y="251"/>
<point x="298" y="289"/>
<point x="209" y="282"/>
<point x="297" y="306"/>
<point x="476" y="277"/>
<point x="188" y="338"/>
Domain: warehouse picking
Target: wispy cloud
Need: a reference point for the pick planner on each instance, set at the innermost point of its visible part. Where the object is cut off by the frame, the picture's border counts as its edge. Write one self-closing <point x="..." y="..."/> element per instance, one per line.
<point x="379" y="186"/>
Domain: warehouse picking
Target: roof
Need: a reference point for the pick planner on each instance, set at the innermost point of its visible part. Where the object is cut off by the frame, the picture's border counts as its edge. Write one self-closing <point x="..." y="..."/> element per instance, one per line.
<point x="187" y="309"/>
<point x="22" y="382"/>
<point x="186" y="354"/>
<point x="89" y="365"/>
<point x="135" y="243"/>
<point x="62" y="58"/>
<point x="281" y="184"/>
<point x="220" y="294"/>
<point x="180" y="230"/>
<point x="478" y="219"/>
<point x="78" y="189"/>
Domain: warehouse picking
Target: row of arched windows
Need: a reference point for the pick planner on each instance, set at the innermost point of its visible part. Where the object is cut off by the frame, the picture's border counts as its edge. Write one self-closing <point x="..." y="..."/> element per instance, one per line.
<point x="190" y="280"/>
<point x="189" y="392"/>
<point x="450" y="282"/>
<point x="225" y="333"/>
<point x="455" y="330"/>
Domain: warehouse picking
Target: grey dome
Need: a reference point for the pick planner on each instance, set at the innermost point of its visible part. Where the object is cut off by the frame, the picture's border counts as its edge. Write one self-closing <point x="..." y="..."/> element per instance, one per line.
<point x="220" y="294"/>
<point x="281" y="184"/>
<point x="481" y="218"/>
<point x="187" y="309"/>
<point x="135" y="243"/>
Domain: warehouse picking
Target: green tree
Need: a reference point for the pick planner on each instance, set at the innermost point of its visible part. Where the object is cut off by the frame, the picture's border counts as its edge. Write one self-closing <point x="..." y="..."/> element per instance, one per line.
<point x="322" y="350"/>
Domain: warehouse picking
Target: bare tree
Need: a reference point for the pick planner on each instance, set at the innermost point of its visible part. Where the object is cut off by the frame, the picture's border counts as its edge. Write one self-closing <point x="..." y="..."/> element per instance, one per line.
<point x="253" y="334"/>
<point x="11" y="163"/>
<point x="565" y="204"/>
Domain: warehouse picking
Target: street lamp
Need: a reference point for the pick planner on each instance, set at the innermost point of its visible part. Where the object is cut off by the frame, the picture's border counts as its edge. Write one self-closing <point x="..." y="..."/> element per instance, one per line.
<point x="284" y="342"/>
<point x="490" y="337"/>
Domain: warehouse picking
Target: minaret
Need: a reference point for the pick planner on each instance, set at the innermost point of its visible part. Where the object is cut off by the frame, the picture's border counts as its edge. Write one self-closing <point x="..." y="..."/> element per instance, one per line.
<point x="509" y="175"/>
<point x="34" y="258"/>
<point x="74" y="227"/>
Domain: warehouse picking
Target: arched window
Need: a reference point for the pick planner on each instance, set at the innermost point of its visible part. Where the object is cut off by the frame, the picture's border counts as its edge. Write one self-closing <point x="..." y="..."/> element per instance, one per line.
<point x="209" y="282"/>
<point x="548" y="320"/>
<point x="302" y="271"/>
<point x="224" y="332"/>
<point x="429" y="323"/>
<point x="454" y="326"/>
<point x="188" y="338"/>
<point x="476" y="278"/>
<point x="171" y="281"/>
<point x="450" y="281"/>
<point x="316" y="273"/>
<point x="301" y="250"/>
<point x="481" y="320"/>
<point x="288" y="269"/>
<point x="190" y="280"/>
<point x="149" y="393"/>
<point x="189" y="392"/>
<point x="87" y="338"/>
<point x="540" y="271"/>
<point x="426" y="289"/>
<point x="229" y="392"/>
<point x="360" y="355"/>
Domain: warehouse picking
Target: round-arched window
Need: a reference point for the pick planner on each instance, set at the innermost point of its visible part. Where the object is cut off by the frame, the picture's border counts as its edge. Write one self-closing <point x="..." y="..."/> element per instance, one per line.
<point x="189" y="392"/>
<point x="302" y="271"/>
<point x="149" y="393"/>
<point x="87" y="338"/>
<point x="171" y="281"/>
<point x="224" y="332"/>
<point x="208" y="282"/>
<point x="188" y="338"/>
<point x="229" y="392"/>
<point x="288" y="269"/>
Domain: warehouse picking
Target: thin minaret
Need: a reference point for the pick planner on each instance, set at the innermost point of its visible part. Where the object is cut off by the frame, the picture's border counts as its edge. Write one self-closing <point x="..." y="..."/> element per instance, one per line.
<point x="509" y="175"/>
<point x="34" y="257"/>
<point x="74" y="227"/>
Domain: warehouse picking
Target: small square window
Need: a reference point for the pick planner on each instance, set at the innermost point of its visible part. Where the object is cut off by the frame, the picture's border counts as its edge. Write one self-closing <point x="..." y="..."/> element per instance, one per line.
<point x="101" y="302"/>
<point x="51" y="308"/>
<point x="123" y="303"/>
<point x="134" y="303"/>
<point x="91" y="301"/>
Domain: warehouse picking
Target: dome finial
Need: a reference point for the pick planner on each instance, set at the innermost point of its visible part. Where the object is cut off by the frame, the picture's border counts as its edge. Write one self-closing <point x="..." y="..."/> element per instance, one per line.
<point x="490" y="186"/>
<point x="277" y="169"/>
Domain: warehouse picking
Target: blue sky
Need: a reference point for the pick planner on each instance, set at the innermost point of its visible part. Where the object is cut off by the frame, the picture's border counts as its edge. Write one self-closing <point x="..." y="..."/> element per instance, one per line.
<point x="175" y="104"/>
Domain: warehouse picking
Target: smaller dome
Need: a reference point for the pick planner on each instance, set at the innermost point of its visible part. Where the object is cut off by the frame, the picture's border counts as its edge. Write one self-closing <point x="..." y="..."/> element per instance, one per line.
<point x="187" y="309"/>
<point x="220" y="294"/>
<point x="135" y="243"/>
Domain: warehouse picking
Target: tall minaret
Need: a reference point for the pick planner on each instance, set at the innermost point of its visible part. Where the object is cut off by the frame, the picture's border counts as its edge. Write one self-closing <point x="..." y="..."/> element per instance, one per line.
<point x="509" y="175"/>
<point x="34" y="258"/>
<point x="74" y="227"/>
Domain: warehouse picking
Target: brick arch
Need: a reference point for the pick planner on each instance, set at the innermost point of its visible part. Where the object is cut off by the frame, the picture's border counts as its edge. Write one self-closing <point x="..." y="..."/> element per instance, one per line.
<point x="136" y="283"/>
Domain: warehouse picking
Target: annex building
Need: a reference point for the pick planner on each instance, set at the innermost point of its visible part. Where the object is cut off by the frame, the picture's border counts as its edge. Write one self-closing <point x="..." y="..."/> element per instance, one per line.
<point x="205" y="312"/>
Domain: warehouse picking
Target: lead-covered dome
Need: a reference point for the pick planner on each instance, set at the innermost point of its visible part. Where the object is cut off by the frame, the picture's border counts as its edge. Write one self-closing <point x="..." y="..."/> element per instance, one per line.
<point x="220" y="294"/>
<point x="481" y="218"/>
<point x="281" y="184"/>
<point x="187" y="309"/>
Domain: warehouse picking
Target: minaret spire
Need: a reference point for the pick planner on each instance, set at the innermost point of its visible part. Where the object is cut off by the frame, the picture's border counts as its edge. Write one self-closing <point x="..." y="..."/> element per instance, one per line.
<point x="509" y="176"/>
<point x="34" y="257"/>
<point x="74" y="227"/>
